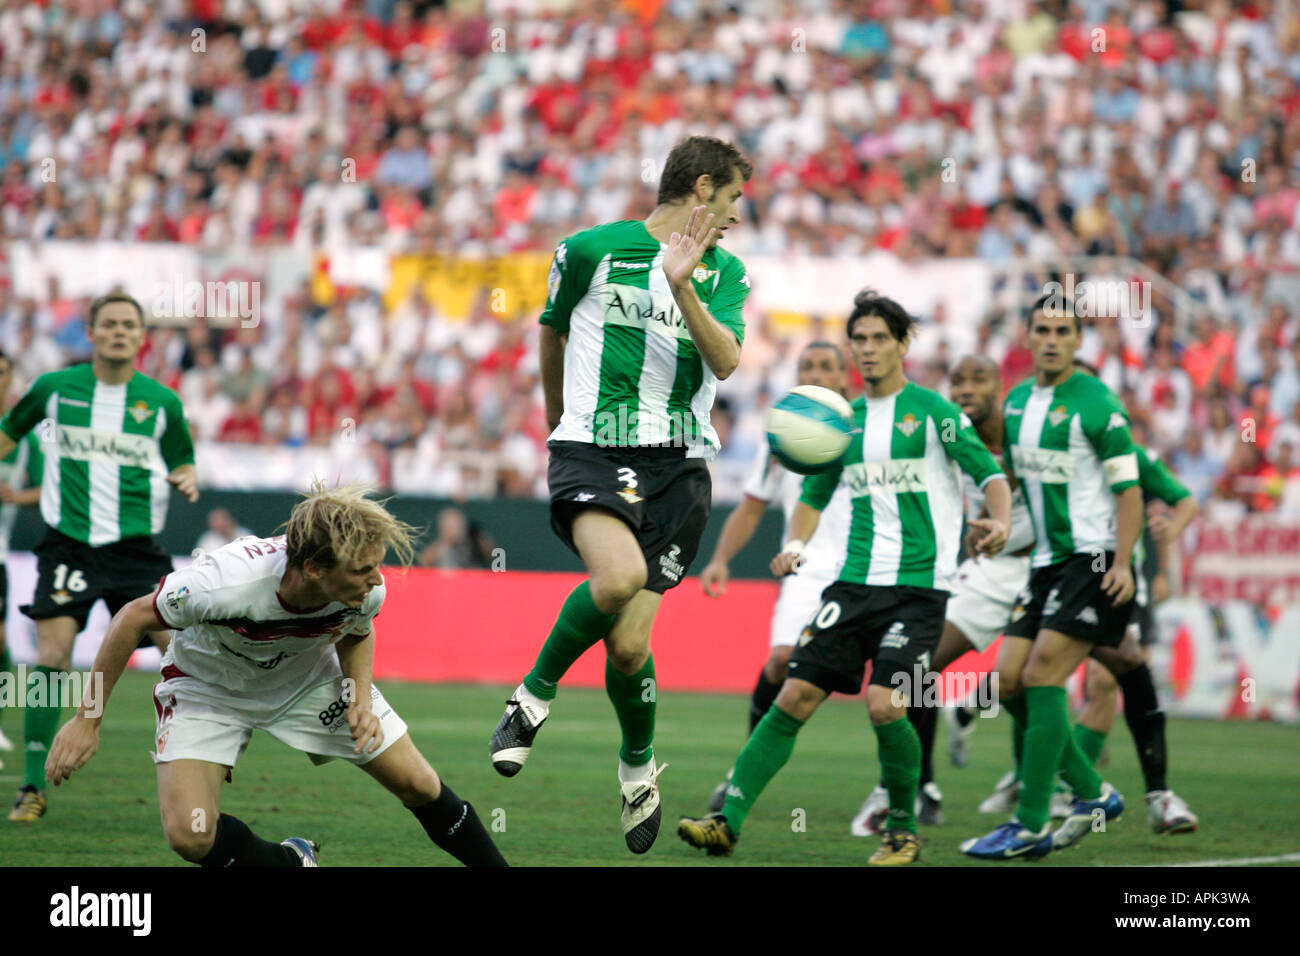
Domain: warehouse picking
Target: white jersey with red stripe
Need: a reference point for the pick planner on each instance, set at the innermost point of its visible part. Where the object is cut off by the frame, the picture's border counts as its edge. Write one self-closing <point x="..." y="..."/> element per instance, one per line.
<point x="233" y="631"/>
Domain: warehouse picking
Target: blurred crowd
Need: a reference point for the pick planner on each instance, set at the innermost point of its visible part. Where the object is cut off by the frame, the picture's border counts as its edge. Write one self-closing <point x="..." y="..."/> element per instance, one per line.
<point x="1161" y="131"/>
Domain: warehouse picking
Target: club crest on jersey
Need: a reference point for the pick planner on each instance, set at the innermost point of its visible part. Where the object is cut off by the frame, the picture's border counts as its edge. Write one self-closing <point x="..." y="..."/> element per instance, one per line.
<point x="908" y="425"/>
<point x="140" y="411"/>
<point x="702" y="274"/>
<point x="60" y="597"/>
<point x="1057" y="415"/>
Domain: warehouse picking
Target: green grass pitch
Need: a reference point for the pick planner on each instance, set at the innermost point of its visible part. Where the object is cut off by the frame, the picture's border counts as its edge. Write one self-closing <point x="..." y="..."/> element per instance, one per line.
<point x="563" y="808"/>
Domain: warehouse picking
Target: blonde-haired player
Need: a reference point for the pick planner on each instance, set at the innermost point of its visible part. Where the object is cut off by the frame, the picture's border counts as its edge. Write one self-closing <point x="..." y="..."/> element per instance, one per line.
<point x="273" y="634"/>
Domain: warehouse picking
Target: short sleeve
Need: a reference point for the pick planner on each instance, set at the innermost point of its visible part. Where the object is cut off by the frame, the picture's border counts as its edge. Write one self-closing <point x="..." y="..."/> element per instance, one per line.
<point x="1157" y="480"/>
<point x="962" y="444"/>
<point x="566" y="283"/>
<point x="30" y="409"/>
<point x="176" y="445"/>
<point x="728" y="300"/>
<point x="764" y="480"/>
<point x="1106" y="428"/>
<point x="185" y="597"/>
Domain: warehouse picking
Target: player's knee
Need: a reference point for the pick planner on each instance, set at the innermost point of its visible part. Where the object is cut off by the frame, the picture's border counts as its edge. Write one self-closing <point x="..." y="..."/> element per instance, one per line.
<point x="1009" y="685"/>
<point x="420" y="787"/>
<point x="189" y="843"/>
<point x="883" y="709"/>
<point x="611" y="591"/>
<point x="797" y="699"/>
<point x="628" y="658"/>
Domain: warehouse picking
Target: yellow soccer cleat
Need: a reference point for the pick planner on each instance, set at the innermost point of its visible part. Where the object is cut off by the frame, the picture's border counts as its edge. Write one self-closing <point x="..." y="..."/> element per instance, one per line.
<point x="29" y="806"/>
<point x="709" y="833"/>
<point x="898" y="848"/>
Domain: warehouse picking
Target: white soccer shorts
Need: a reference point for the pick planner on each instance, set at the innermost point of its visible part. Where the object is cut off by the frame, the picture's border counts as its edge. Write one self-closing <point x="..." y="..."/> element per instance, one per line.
<point x="197" y="721"/>
<point x="797" y="605"/>
<point x="984" y="596"/>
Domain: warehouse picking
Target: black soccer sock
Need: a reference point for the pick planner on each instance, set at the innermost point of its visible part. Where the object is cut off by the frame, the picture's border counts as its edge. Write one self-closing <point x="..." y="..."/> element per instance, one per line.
<point x="236" y="845"/>
<point x="1147" y="724"/>
<point x="760" y="702"/>
<point x="923" y="719"/>
<point x="452" y="824"/>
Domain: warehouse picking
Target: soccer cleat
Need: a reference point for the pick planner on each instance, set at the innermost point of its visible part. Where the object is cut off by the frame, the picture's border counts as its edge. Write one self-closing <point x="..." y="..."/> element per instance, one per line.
<point x="958" y="751"/>
<point x="5" y="742"/>
<point x="1005" y="795"/>
<point x="513" y="737"/>
<point x="872" y="815"/>
<point x="718" y="798"/>
<point x="1167" y="813"/>
<point x="1010" y="841"/>
<point x="929" y="802"/>
<point x="29" y="806"/>
<point x="897" y="848"/>
<point x="306" y="849"/>
<point x="709" y="833"/>
<point x="641" y="812"/>
<point x="1083" y="814"/>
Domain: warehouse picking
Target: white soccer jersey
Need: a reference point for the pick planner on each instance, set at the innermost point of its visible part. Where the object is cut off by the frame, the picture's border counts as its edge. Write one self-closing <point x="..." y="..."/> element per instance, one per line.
<point x="234" y="631"/>
<point x="770" y="482"/>
<point x="1021" y="533"/>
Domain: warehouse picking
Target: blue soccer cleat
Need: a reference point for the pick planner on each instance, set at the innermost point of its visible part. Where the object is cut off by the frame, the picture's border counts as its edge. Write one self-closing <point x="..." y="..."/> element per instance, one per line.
<point x="1010" y="841"/>
<point x="1085" y="815"/>
<point x="304" y="848"/>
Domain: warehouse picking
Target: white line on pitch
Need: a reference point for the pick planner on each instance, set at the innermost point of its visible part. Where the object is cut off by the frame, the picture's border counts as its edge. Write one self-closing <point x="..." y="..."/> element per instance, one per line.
<point x="1238" y="861"/>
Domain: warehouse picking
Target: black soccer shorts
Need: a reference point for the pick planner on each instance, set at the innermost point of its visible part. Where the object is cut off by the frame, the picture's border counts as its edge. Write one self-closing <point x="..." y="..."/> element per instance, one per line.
<point x="662" y="495"/>
<point x="1067" y="597"/>
<point x="72" y="576"/>
<point x="896" y="628"/>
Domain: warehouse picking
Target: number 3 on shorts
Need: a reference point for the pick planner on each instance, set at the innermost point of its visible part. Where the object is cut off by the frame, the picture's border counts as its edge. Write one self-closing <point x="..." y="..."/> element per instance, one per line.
<point x="74" y="582"/>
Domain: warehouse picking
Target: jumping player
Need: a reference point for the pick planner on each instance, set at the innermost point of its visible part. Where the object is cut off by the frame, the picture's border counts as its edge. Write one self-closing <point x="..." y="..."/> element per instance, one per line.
<point x="887" y="606"/>
<point x="820" y="364"/>
<point x="119" y="439"/>
<point x="273" y="634"/>
<point x="642" y="320"/>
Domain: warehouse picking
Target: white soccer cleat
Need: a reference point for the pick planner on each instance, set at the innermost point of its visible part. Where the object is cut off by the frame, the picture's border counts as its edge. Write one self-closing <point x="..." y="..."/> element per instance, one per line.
<point x="5" y="742"/>
<point x="1062" y="801"/>
<point x="1005" y="796"/>
<point x="641" y="812"/>
<point x="872" y="815"/>
<point x="1168" y="813"/>
<point x="512" y="740"/>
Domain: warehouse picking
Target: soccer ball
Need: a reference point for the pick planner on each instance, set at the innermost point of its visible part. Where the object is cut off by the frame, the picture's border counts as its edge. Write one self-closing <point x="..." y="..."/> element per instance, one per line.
<point x="809" y="429"/>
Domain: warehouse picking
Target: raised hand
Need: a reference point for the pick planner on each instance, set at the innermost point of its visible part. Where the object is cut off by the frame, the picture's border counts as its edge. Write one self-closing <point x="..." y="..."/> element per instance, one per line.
<point x="685" y="250"/>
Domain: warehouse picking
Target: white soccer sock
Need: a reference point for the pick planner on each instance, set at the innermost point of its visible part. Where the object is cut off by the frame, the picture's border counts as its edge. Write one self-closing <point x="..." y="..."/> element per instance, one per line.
<point x="629" y="774"/>
<point x="526" y="696"/>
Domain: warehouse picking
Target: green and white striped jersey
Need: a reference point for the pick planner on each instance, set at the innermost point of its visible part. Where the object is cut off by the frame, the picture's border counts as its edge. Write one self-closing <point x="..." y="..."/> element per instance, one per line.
<point x="903" y="471"/>
<point x="632" y="373"/>
<point x="108" y="453"/>
<point x="20" y="469"/>
<point x="1072" y="453"/>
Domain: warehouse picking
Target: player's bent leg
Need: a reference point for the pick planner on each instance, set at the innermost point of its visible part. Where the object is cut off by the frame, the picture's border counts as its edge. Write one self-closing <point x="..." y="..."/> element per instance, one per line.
<point x="1098" y="715"/>
<point x="768" y="750"/>
<point x="900" y="764"/>
<point x="189" y="796"/>
<point x="631" y="687"/>
<point x="613" y="558"/>
<point x="770" y="679"/>
<point x="451" y="823"/>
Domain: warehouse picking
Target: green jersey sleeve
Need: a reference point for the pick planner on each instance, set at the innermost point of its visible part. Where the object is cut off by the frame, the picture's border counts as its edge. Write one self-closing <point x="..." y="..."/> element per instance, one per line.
<point x="30" y="409"/>
<point x="962" y="444"/>
<point x="1106" y="427"/>
<point x="567" y="282"/>
<point x="1157" y="480"/>
<point x="35" y="460"/>
<point x="177" y="446"/>
<point x="818" y="489"/>
<point x="728" y="301"/>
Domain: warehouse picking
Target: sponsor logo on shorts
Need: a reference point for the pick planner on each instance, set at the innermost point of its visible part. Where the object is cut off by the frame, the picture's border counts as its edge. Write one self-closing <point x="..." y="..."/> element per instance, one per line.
<point x="1053" y="603"/>
<point x="583" y="496"/>
<point x="894" y="637"/>
<point x="1088" y="616"/>
<point x="670" y="566"/>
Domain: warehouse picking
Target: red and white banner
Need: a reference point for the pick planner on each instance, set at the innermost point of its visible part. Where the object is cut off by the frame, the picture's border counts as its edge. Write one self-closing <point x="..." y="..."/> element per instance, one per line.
<point x="1256" y="560"/>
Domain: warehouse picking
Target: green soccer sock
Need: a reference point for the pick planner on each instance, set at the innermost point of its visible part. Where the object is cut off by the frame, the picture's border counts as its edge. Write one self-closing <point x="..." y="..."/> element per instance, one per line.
<point x="1090" y="741"/>
<point x="766" y="752"/>
<point x="40" y="723"/>
<point x="1015" y="706"/>
<point x="1049" y="746"/>
<point x="900" y="766"/>
<point x="580" y="625"/>
<point x="633" y="697"/>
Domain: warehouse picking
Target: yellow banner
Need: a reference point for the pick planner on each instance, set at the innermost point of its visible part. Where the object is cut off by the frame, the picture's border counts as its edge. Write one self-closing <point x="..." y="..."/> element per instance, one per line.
<point x="508" y="286"/>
